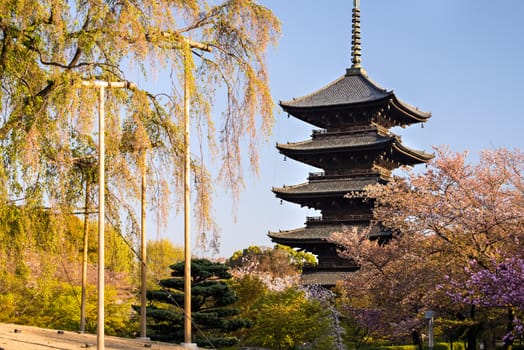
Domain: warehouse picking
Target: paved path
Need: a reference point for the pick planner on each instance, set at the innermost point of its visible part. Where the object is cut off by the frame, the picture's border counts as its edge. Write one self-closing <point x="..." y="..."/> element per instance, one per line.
<point x="16" y="337"/>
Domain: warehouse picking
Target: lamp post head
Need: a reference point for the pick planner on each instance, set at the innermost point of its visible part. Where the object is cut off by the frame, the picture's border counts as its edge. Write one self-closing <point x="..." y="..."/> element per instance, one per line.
<point x="428" y="315"/>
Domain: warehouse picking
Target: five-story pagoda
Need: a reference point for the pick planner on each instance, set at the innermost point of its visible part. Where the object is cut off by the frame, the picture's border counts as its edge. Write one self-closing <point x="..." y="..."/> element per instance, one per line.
<point x="355" y="148"/>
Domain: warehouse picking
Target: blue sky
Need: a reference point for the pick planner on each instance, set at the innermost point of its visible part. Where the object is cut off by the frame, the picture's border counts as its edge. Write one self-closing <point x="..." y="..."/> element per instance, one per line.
<point x="461" y="60"/>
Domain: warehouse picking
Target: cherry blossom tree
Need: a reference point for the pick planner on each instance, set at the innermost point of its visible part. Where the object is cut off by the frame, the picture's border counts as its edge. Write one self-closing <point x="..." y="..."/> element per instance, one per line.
<point x="395" y="283"/>
<point x="440" y="219"/>
<point x="278" y="268"/>
<point x="474" y="211"/>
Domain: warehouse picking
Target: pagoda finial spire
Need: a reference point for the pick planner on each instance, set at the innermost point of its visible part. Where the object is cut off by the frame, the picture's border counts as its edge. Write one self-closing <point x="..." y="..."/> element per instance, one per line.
<point x="355" y="36"/>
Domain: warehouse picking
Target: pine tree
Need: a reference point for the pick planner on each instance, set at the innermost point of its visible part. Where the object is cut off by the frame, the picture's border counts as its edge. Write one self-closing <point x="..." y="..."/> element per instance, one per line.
<point x="210" y="297"/>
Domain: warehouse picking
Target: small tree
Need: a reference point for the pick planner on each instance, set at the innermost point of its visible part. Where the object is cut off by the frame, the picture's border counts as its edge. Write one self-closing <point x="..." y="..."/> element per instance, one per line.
<point x="288" y="320"/>
<point x="210" y="296"/>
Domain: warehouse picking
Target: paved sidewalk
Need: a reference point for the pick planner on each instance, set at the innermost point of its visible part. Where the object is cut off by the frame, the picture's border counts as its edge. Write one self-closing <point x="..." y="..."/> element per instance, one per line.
<point x="16" y="337"/>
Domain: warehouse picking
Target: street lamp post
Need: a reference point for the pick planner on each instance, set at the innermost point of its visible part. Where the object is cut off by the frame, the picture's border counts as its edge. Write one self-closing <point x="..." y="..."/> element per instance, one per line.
<point x="101" y="200"/>
<point x="187" y="227"/>
<point x="429" y="315"/>
<point x="143" y="250"/>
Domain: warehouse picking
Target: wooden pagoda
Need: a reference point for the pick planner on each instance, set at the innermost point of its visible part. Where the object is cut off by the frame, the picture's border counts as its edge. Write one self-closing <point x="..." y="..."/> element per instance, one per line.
<point x="354" y="147"/>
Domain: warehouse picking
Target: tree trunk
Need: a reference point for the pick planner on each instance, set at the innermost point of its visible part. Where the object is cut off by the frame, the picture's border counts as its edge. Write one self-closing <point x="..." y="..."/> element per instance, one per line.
<point x="417" y="340"/>
<point x="508" y="338"/>
<point x="471" y="334"/>
<point x="489" y="338"/>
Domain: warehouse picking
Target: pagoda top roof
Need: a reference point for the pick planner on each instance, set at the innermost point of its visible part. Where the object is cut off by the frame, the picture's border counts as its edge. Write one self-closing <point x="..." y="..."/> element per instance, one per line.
<point x="353" y="88"/>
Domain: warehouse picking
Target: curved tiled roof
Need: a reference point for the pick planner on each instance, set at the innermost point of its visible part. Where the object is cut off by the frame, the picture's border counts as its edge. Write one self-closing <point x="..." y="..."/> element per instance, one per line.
<point x="420" y="156"/>
<point x="348" y="143"/>
<point x="353" y="87"/>
<point x="314" y="232"/>
<point x="411" y="110"/>
<point x="342" y="141"/>
<point x="317" y="234"/>
<point x="327" y="186"/>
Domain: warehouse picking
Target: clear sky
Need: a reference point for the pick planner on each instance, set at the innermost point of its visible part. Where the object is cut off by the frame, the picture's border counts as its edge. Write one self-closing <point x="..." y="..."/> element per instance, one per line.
<point x="461" y="60"/>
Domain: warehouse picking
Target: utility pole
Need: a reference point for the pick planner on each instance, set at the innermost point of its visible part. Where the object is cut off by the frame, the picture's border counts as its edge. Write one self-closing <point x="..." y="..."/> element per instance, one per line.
<point x="143" y="254"/>
<point x="187" y="209"/>
<point x="101" y="85"/>
<point x="84" y="261"/>
<point x="187" y="186"/>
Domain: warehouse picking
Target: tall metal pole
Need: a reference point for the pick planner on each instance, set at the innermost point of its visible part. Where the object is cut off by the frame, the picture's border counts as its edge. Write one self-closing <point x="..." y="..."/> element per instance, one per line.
<point x="101" y="220"/>
<point x="84" y="262"/>
<point x="101" y="202"/>
<point x="143" y="255"/>
<point x="187" y="202"/>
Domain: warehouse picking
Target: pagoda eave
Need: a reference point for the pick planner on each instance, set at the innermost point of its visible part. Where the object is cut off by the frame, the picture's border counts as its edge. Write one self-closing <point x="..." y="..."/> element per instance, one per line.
<point x="400" y="113"/>
<point x="291" y="108"/>
<point x="343" y="145"/>
<point x="320" y="233"/>
<point x="303" y="244"/>
<point x="314" y="234"/>
<point x="412" y="157"/>
<point x="305" y="199"/>
<point x="415" y="115"/>
<point x="331" y="188"/>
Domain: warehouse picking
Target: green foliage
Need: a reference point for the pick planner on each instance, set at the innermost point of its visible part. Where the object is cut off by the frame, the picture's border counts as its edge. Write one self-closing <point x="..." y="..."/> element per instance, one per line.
<point x="160" y="254"/>
<point x="202" y="270"/>
<point x="299" y="258"/>
<point x="118" y="256"/>
<point x="39" y="274"/>
<point x="211" y="297"/>
<point x="389" y="347"/>
<point x="54" y="304"/>
<point x="287" y="320"/>
<point x="436" y="346"/>
<point x="447" y="346"/>
<point x="250" y="290"/>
